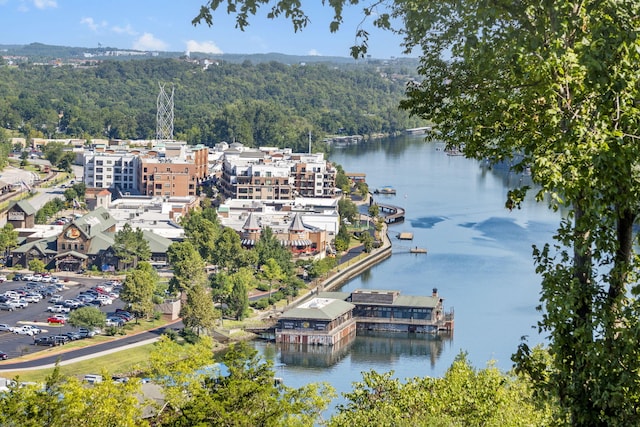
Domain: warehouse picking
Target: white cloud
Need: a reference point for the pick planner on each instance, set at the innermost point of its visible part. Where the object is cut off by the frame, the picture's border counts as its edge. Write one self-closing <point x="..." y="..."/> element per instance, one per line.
<point x="147" y="41"/>
<point x="124" y="30"/>
<point x="93" y="25"/>
<point x="314" y="52"/>
<point x="45" y="4"/>
<point x="204" y="47"/>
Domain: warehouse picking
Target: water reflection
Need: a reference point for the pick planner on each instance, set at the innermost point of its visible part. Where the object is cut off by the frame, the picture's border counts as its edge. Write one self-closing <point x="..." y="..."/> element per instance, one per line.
<point x="389" y="347"/>
<point x="366" y="348"/>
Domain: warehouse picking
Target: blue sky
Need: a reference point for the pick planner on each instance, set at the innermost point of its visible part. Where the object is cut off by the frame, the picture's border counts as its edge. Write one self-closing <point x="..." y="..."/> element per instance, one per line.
<point x="165" y="25"/>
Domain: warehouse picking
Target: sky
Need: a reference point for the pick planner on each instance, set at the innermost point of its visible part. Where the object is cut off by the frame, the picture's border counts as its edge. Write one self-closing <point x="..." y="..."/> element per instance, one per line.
<point x="165" y="25"/>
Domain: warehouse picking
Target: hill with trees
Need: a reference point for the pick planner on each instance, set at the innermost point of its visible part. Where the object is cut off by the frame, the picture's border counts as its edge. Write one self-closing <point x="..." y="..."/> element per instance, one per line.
<point x="266" y="103"/>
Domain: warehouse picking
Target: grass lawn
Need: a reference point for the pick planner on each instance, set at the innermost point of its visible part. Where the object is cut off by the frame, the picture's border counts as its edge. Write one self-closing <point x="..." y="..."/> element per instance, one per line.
<point x="121" y="362"/>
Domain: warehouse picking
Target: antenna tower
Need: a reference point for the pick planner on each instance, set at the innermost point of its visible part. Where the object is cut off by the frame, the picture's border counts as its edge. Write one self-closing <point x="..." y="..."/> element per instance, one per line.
<point x="164" y="117"/>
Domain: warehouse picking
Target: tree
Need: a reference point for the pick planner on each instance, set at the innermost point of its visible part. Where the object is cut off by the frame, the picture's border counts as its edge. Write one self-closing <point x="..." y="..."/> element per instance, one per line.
<point x="88" y="317"/>
<point x="198" y="313"/>
<point x="138" y="289"/>
<point x="187" y="265"/>
<point x="463" y="396"/>
<point x="202" y="233"/>
<point x="347" y="209"/>
<point x="36" y="265"/>
<point x="130" y="246"/>
<point x="248" y="395"/>
<point x="272" y="272"/>
<point x="227" y="252"/>
<point x="8" y="239"/>
<point x="269" y="247"/>
<point x="238" y="300"/>
<point x="64" y="401"/>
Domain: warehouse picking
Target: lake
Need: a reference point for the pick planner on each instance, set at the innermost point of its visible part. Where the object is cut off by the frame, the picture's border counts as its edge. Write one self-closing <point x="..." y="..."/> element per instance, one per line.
<point x="479" y="258"/>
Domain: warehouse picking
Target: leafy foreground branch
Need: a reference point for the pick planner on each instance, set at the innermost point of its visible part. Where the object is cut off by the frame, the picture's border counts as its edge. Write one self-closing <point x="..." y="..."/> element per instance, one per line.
<point x="191" y="389"/>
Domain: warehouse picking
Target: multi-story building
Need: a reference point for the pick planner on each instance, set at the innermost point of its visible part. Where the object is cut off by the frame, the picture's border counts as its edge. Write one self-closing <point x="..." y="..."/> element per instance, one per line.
<point x="168" y="170"/>
<point x="273" y="174"/>
<point x="175" y="171"/>
<point x="112" y="169"/>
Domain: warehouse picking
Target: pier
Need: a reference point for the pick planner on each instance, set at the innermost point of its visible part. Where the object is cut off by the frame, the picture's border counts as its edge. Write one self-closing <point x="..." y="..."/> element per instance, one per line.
<point x="395" y="213"/>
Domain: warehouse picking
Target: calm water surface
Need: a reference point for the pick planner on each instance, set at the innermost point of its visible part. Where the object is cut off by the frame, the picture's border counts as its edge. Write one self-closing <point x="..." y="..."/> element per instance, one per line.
<point x="479" y="258"/>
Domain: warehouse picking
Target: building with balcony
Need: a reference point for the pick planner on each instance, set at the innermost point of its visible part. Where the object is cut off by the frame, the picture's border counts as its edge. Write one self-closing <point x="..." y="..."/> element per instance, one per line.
<point x="112" y="169"/>
<point x="175" y="170"/>
<point x="319" y="321"/>
<point x="275" y="174"/>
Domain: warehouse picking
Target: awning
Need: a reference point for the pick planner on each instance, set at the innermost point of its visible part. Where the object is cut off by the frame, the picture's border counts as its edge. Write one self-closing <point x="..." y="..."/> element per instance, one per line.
<point x="248" y="242"/>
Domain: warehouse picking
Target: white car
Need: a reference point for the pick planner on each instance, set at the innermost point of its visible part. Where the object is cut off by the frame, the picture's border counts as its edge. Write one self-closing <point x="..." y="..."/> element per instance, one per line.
<point x="22" y="330"/>
<point x="29" y="278"/>
<point x="55" y="298"/>
<point x="34" y="329"/>
<point x="3" y="278"/>
<point x="5" y="328"/>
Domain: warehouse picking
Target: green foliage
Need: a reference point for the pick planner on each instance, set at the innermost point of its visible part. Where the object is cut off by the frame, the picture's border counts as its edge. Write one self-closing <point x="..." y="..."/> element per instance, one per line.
<point x="8" y="238"/>
<point x="266" y="103"/>
<point x="549" y="87"/>
<point x="347" y="209"/>
<point x="88" y="317"/>
<point x="269" y="247"/>
<point x="187" y="265"/>
<point x="36" y="266"/>
<point x="49" y="210"/>
<point x="248" y="396"/>
<point x="198" y="312"/>
<point x="138" y="289"/>
<point x="202" y="233"/>
<point x="463" y="397"/>
<point x="130" y="246"/>
<point x="61" y="402"/>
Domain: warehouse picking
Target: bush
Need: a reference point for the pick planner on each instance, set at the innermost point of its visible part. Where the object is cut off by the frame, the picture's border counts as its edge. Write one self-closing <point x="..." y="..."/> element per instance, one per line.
<point x="189" y="335"/>
<point x="261" y="304"/>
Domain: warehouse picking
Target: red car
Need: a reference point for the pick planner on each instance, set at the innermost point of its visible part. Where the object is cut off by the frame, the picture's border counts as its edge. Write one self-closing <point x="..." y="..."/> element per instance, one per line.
<point x="57" y="319"/>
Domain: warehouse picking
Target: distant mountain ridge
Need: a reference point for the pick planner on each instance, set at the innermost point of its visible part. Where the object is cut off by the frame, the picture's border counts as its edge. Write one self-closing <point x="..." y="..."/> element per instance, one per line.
<point x="44" y="52"/>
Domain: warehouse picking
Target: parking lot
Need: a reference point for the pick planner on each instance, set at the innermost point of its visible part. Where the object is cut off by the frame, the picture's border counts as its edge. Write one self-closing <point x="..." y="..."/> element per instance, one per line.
<point x="15" y="345"/>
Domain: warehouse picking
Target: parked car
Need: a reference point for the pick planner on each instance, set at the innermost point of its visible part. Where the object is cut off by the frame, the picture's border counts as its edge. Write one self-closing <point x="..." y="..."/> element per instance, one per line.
<point x="7" y="306"/>
<point x="61" y="339"/>
<point x="47" y="341"/>
<point x="114" y="321"/>
<point x="87" y="333"/>
<point x="35" y="329"/>
<point x="28" y="277"/>
<point x="55" y="298"/>
<point x="17" y="277"/>
<point x="19" y="303"/>
<point x="57" y="318"/>
<point x="58" y="308"/>
<point x="3" y="278"/>
<point x="24" y="331"/>
<point x="32" y="297"/>
<point x="3" y="355"/>
<point x="5" y="328"/>
<point x="73" y="336"/>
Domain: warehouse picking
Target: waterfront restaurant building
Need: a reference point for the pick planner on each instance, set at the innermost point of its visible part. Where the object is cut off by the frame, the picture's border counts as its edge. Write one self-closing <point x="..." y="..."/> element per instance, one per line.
<point x="319" y="321"/>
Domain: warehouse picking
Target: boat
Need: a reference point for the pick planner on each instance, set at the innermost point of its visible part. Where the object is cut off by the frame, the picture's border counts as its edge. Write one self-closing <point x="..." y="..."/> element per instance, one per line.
<point x="385" y="190"/>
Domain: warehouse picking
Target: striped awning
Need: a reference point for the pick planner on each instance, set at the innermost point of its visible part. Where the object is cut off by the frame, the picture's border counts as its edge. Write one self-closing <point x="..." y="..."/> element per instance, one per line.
<point x="298" y="243"/>
<point x="248" y="242"/>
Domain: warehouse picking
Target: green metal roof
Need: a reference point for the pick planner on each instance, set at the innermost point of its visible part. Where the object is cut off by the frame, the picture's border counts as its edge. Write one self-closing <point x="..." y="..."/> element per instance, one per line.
<point x="319" y="309"/>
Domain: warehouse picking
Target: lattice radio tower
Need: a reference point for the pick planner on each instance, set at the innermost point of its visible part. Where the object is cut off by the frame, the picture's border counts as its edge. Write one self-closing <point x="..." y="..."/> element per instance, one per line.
<point x="164" y="117"/>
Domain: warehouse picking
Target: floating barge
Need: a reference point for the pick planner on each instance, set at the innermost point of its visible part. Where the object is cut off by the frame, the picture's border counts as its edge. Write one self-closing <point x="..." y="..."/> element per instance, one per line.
<point x="385" y="190"/>
<point x="333" y="316"/>
<point x="405" y="236"/>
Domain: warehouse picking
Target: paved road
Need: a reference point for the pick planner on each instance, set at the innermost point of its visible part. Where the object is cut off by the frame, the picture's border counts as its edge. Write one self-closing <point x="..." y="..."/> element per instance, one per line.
<point x="88" y="352"/>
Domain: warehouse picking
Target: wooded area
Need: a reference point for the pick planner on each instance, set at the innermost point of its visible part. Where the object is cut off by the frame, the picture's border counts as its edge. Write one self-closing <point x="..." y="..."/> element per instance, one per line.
<point x="256" y="104"/>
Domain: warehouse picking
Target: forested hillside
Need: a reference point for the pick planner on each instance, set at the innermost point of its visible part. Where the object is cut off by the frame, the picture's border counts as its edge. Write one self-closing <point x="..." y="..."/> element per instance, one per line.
<point x="256" y="104"/>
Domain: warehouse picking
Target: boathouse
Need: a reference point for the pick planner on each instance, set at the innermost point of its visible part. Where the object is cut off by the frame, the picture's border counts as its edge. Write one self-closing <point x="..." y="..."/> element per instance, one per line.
<point x="321" y="321"/>
<point x="332" y="316"/>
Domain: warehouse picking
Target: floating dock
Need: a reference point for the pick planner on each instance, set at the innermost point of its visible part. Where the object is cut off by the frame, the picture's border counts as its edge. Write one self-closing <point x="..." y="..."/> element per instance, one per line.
<point x="418" y="250"/>
<point x="405" y="236"/>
